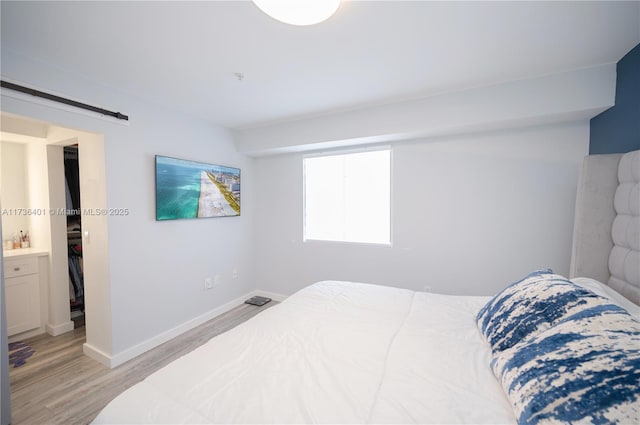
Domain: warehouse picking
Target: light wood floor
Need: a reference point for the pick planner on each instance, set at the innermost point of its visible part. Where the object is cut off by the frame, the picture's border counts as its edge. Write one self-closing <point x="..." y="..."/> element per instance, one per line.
<point x="60" y="385"/>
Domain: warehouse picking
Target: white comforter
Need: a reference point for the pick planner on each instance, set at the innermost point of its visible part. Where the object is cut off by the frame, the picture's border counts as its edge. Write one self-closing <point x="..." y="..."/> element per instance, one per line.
<point x="335" y="352"/>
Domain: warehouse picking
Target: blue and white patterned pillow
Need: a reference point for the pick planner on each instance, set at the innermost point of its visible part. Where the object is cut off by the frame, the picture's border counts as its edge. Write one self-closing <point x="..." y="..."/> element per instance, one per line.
<point x="586" y="369"/>
<point x="530" y="306"/>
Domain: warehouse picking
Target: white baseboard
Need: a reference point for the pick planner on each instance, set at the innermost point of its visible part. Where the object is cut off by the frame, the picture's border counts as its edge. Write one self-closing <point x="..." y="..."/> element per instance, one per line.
<point x="151" y="343"/>
<point x="136" y="350"/>
<point x="55" y="330"/>
<point x="97" y="355"/>
<point x="28" y="334"/>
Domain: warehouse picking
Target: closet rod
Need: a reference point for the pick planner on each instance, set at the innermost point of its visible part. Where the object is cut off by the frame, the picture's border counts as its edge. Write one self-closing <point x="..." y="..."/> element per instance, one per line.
<point x="38" y="93"/>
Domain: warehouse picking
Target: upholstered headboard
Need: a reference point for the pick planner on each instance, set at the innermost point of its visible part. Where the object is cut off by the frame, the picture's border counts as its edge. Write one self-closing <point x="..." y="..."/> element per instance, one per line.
<point x="606" y="237"/>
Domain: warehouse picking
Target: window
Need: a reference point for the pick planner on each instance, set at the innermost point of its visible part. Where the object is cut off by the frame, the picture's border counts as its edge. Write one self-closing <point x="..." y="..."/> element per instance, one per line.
<point x="347" y="197"/>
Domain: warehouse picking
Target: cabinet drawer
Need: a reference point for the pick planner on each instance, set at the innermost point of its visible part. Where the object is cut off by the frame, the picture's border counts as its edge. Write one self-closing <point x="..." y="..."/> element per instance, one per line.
<point x="20" y="267"/>
<point x="22" y="297"/>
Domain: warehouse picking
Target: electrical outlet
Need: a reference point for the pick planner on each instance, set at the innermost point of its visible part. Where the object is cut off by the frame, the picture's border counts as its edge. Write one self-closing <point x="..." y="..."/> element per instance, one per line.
<point x="208" y="284"/>
<point x="427" y="288"/>
<point x="234" y="274"/>
<point x="217" y="280"/>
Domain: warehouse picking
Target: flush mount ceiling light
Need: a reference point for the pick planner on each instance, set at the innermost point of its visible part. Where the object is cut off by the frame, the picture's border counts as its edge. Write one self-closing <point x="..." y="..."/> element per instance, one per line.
<point x="298" y="12"/>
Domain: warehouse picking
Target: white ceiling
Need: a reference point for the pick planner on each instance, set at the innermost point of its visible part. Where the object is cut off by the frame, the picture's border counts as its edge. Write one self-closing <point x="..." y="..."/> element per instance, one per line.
<point x="185" y="54"/>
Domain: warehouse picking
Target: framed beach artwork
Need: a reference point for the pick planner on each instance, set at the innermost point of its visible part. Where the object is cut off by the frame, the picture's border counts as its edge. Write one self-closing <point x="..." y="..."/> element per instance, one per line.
<point x="190" y="189"/>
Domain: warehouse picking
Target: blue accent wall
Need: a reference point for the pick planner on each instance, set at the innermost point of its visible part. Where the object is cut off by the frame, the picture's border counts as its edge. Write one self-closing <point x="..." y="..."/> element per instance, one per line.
<point x="617" y="130"/>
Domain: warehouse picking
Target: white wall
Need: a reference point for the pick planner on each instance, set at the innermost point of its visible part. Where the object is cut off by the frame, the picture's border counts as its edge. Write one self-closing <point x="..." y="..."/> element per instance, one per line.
<point x="470" y="214"/>
<point x="154" y="274"/>
<point x="14" y="188"/>
<point x="158" y="268"/>
<point x="37" y="181"/>
<point x="23" y="185"/>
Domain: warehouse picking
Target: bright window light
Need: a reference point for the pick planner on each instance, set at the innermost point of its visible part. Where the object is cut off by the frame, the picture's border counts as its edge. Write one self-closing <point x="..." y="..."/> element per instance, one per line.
<point x="347" y="197"/>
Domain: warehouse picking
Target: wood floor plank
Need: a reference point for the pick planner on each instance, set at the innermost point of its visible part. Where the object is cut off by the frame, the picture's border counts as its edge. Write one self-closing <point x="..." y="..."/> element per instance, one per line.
<point x="60" y="385"/>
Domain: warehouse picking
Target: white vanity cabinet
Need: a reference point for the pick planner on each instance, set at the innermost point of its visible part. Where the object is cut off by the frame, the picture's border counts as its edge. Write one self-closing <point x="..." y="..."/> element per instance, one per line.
<point x="22" y="293"/>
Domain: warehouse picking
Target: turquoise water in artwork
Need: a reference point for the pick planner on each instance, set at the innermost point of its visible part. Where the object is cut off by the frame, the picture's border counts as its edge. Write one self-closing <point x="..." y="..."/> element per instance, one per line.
<point x="177" y="189"/>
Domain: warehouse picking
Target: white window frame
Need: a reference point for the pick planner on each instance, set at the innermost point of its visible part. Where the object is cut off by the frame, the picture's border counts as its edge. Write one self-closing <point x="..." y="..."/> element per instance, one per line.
<point x="338" y="152"/>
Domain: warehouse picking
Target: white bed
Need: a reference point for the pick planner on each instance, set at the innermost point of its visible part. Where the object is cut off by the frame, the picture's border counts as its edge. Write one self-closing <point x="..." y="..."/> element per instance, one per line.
<point x="335" y="352"/>
<point x="343" y="352"/>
